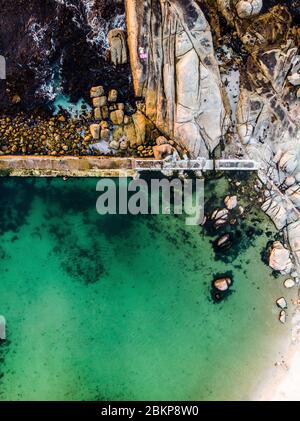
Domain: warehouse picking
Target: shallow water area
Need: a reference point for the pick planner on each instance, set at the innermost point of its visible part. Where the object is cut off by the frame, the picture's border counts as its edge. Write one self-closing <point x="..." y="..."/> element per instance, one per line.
<point x="119" y="307"/>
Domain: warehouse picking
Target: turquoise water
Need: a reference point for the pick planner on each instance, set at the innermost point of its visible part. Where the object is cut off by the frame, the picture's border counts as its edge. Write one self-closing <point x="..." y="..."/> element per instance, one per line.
<point x="119" y="307"/>
<point x="75" y="109"/>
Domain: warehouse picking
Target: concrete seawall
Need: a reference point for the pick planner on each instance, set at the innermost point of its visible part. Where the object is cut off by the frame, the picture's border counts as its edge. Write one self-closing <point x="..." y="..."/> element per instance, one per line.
<point x="45" y="166"/>
<point x="100" y="166"/>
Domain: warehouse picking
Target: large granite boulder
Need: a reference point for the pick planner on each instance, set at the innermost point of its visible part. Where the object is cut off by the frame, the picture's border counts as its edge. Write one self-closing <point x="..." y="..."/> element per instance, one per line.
<point x="174" y="68"/>
<point x="280" y="259"/>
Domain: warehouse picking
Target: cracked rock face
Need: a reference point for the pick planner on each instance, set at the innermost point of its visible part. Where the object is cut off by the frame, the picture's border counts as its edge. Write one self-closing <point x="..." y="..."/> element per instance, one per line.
<point x="174" y="68"/>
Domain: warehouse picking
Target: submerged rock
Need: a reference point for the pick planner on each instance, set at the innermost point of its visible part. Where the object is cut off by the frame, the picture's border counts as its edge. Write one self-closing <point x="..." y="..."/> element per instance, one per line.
<point x="223" y="241"/>
<point x="222" y="284"/>
<point x="281" y="303"/>
<point x="230" y="202"/>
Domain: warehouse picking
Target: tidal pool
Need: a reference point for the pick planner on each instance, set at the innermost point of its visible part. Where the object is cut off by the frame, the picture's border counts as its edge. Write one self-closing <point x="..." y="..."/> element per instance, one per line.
<point x="119" y="307"/>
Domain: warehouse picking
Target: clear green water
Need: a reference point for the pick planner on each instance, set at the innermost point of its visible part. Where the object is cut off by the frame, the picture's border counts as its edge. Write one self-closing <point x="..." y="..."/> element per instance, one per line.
<point x="118" y="307"/>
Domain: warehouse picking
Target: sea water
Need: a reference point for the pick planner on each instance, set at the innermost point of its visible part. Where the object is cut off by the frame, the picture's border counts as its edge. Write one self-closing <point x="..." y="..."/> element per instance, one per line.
<point x="119" y="307"/>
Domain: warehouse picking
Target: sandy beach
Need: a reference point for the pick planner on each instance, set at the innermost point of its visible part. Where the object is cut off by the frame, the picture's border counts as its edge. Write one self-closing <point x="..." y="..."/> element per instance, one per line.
<point x="283" y="380"/>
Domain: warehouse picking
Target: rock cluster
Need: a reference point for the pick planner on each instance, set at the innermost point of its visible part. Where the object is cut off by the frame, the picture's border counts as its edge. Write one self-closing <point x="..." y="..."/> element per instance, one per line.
<point x="123" y="132"/>
<point x="38" y="135"/>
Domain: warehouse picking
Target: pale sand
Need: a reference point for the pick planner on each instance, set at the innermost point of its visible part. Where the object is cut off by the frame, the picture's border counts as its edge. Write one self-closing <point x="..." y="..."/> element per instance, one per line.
<point x="283" y="380"/>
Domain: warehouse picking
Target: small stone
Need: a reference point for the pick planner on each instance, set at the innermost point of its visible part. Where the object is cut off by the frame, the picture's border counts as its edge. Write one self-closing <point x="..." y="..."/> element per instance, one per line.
<point x="281" y="303"/>
<point x="97" y="91"/>
<point x="289" y="283"/>
<point x="65" y="148"/>
<point x="16" y="99"/>
<point x="117" y="117"/>
<point x="97" y="113"/>
<point x="113" y="95"/>
<point x="121" y="106"/>
<point x="95" y="131"/>
<point x="282" y="317"/>
<point x="298" y="93"/>
<point x="105" y="134"/>
<point x="99" y="101"/>
<point x="61" y="118"/>
<point x="105" y="112"/>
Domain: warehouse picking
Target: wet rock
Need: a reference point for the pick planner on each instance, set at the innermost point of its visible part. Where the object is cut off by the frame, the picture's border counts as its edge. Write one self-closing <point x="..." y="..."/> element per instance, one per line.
<point x="222" y="284"/>
<point x="281" y="303"/>
<point x="230" y="202"/>
<point x="280" y="259"/>
<point x="223" y="243"/>
<point x="95" y="131"/>
<point x="220" y="217"/>
<point x="2" y="328"/>
<point x="97" y="91"/>
<point x="282" y="317"/>
<point x="289" y="283"/>
<point x="117" y="117"/>
<point x="99" y="101"/>
<point x="113" y="95"/>
<point x="118" y="46"/>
